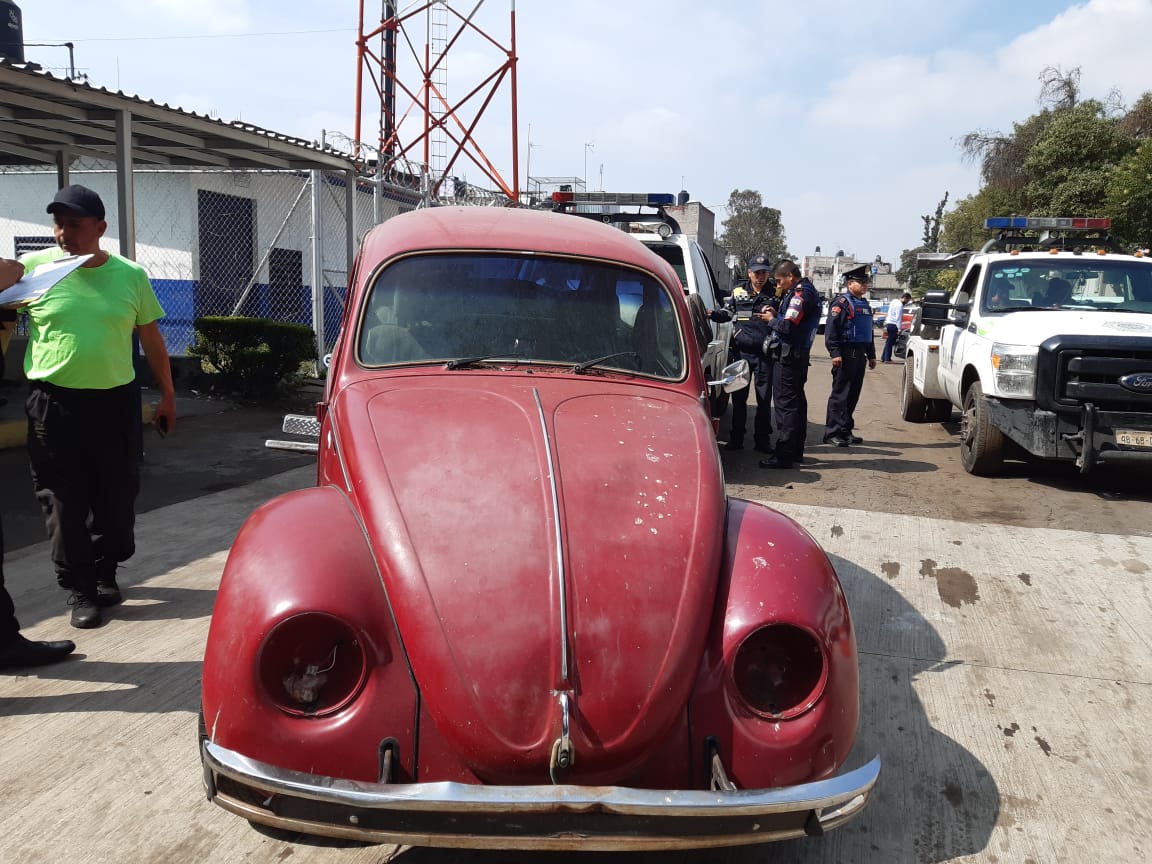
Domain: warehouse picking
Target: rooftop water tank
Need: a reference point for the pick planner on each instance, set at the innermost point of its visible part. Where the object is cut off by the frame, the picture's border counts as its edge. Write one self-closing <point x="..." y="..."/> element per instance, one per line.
<point x="682" y="198"/>
<point x="11" y="32"/>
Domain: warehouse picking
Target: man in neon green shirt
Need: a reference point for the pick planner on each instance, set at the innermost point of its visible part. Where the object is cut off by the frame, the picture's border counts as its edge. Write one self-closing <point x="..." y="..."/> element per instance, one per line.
<point x="82" y="402"/>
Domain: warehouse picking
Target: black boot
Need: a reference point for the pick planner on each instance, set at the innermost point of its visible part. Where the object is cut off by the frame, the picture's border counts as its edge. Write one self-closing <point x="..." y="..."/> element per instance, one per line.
<point x="17" y="652"/>
<point x="85" y="609"/>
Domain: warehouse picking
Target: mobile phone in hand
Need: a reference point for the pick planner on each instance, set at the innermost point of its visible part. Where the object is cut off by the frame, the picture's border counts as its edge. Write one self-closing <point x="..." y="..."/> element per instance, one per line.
<point x="161" y="425"/>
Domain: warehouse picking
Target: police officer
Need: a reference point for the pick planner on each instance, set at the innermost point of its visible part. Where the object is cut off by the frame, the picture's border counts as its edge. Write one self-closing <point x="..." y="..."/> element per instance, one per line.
<point x="749" y="338"/>
<point x="794" y="329"/>
<point x="848" y="336"/>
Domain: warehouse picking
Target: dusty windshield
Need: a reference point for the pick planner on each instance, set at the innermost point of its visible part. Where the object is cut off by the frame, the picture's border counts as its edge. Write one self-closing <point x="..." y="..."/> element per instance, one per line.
<point x="1084" y="285"/>
<point x="441" y="307"/>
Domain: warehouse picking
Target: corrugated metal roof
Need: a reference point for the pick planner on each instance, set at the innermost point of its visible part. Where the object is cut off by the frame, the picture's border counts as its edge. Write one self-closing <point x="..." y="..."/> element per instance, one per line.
<point x="42" y="115"/>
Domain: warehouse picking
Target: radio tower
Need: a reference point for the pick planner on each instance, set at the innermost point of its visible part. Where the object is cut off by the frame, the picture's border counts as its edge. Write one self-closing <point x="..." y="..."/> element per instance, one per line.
<point x="423" y="137"/>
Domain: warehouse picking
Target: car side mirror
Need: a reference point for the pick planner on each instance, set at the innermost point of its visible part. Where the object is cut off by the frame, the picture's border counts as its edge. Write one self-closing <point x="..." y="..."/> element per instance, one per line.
<point x="736" y="376"/>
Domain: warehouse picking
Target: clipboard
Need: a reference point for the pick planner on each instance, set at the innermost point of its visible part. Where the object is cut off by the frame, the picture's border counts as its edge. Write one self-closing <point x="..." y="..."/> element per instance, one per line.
<point x="35" y="285"/>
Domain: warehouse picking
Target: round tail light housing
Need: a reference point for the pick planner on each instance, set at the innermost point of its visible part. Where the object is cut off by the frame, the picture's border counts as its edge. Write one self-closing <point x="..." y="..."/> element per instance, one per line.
<point x="779" y="671"/>
<point x="312" y="664"/>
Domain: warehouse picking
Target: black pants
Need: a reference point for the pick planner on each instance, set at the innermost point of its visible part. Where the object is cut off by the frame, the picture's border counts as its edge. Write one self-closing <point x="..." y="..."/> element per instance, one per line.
<point x="791" y="374"/>
<point x="9" y="626"/>
<point x="847" y="381"/>
<point x="86" y="474"/>
<point x="762" y="422"/>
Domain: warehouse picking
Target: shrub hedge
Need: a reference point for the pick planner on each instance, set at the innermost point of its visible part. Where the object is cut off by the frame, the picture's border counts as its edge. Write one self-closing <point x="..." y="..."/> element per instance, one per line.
<point x="255" y="357"/>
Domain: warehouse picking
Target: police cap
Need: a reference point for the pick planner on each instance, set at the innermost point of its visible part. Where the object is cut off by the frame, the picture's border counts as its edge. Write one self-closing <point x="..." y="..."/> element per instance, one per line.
<point x="759" y="262"/>
<point x="857" y="274"/>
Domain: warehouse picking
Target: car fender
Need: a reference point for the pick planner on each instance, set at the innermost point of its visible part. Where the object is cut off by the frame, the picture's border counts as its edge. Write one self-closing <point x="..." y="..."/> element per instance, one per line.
<point x="306" y="552"/>
<point x="774" y="572"/>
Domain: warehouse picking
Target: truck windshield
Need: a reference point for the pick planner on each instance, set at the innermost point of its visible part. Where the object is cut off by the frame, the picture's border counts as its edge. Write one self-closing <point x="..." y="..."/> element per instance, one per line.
<point x="1104" y="285"/>
<point x="439" y="307"/>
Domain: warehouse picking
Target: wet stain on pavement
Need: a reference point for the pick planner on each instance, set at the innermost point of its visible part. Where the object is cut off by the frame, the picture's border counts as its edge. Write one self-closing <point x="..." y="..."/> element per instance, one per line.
<point x="1010" y="730"/>
<point x="957" y="542"/>
<point x="1026" y="578"/>
<point x="955" y="586"/>
<point x="1134" y="566"/>
<point x="891" y="569"/>
<point x="991" y="697"/>
<point x="837" y="531"/>
<point x="1044" y="745"/>
<point x="954" y="794"/>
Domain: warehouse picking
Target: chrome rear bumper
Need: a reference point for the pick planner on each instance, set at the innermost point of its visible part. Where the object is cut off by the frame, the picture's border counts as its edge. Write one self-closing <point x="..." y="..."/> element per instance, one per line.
<point x="561" y="817"/>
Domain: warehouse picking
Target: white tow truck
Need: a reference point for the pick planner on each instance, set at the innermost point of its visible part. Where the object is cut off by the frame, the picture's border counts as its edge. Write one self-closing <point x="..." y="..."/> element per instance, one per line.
<point x="661" y="233"/>
<point x="1045" y="347"/>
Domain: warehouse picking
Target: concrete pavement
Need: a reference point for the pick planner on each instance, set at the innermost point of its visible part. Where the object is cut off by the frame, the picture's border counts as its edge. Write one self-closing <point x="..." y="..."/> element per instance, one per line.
<point x="1006" y="679"/>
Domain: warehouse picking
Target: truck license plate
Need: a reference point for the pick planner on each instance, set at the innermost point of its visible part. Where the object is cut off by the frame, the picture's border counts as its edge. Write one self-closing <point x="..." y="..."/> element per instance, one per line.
<point x="1133" y="438"/>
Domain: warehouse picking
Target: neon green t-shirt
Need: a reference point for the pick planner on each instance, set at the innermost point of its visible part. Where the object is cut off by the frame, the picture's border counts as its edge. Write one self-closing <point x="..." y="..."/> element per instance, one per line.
<point x="80" y="332"/>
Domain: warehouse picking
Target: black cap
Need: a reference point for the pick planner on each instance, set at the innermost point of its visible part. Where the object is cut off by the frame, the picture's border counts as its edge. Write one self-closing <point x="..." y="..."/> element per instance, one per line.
<point x="759" y="262"/>
<point x="858" y="274"/>
<point x="79" y="201"/>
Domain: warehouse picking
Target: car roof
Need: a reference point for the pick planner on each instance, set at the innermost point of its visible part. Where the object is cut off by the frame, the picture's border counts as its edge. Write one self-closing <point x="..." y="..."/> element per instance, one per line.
<point x="512" y="229"/>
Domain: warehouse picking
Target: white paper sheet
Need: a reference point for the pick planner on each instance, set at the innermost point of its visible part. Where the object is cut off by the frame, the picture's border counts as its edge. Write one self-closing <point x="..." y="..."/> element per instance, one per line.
<point x="35" y="285"/>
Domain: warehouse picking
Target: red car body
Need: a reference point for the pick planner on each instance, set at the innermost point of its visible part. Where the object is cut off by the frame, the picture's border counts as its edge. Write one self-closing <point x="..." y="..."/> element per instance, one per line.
<point x="517" y="610"/>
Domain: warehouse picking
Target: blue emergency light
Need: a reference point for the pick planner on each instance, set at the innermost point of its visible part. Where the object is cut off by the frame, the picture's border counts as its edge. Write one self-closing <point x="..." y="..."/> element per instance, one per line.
<point x="1075" y="223"/>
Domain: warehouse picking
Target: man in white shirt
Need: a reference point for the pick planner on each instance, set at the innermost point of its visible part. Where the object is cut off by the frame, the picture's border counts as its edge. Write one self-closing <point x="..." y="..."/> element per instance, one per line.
<point x="892" y="325"/>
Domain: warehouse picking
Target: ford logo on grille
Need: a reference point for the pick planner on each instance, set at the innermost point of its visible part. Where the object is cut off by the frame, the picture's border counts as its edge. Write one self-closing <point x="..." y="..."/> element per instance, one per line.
<point x="1137" y="382"/>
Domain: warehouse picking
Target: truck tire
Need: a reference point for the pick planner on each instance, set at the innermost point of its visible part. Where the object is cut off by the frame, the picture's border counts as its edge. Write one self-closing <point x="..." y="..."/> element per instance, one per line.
<point x="913" y="405"/>
<point x="981" y="443"/>
<point x="939" y="410"/>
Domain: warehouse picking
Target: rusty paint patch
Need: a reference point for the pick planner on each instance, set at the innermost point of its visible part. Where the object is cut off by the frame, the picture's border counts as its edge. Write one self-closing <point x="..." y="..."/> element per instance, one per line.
<point x="891" y="569"/>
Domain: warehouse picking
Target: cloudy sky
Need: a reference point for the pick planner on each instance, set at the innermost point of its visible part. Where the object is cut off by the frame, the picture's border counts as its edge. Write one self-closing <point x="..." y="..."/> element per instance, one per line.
<point x="843" y="114"/>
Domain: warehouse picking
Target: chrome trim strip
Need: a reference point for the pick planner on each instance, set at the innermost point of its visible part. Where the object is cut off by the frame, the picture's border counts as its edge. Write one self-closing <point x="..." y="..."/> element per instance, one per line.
<point x="834" y="801"/>
<point x="561" y="581"/>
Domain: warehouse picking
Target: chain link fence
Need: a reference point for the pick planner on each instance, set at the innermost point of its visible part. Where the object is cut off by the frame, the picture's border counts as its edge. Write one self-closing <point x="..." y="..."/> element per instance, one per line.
<point x="220" y="242"/>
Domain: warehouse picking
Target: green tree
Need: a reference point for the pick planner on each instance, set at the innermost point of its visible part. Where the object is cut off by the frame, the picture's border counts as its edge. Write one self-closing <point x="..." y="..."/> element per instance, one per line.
<point x="1128" y="199"/>
<point x="1068" y="165"/>
<point x="964" y="226"/>
<point x="751" y="227"/>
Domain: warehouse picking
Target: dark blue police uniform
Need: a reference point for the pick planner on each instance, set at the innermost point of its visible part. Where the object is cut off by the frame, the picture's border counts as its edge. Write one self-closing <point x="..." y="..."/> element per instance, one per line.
<point x="749" y="338"/>
<point x="795" y="331"/>
<point x="848" y="335"/>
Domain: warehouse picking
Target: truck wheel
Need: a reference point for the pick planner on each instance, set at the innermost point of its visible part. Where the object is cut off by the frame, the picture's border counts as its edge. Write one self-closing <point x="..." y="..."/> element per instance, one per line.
<point x="939" y="410"/>
<point x="912" y="403"/>
<point x="981" y="443"/>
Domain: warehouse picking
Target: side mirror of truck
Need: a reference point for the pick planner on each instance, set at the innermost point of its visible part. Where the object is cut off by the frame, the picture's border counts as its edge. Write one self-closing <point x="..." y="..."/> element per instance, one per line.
<point x="935" y="309"/>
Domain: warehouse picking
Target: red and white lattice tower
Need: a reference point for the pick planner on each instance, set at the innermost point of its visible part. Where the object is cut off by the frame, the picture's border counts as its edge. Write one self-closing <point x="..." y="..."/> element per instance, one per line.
<point x="424" y="139"/>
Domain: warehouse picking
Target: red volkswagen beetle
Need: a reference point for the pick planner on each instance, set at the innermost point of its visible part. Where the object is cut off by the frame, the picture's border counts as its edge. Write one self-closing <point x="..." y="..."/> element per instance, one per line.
<point x="517" y="610"/>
